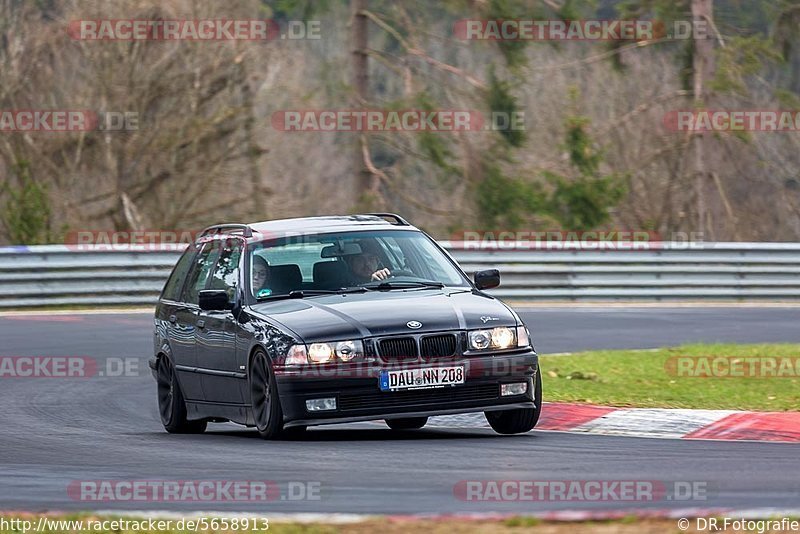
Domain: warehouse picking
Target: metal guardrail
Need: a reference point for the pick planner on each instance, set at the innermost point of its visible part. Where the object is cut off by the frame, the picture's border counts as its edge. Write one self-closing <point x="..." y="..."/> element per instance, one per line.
<point x="57" y="275"/>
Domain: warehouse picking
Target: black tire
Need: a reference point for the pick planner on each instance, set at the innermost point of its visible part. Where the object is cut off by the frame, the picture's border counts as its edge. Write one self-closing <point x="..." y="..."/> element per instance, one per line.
<point x="521" y="420"/>
<point x="171" y="405"/>
<point x="264" y="400"/>
<point x="406" y="423"/>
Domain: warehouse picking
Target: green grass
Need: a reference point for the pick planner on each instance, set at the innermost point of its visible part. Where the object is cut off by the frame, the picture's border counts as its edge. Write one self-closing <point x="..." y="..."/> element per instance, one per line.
<point x="648" y="379"/>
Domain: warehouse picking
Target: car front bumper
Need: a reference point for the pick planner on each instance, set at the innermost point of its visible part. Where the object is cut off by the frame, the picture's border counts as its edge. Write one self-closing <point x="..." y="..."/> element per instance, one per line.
<point x="359" y="397"/>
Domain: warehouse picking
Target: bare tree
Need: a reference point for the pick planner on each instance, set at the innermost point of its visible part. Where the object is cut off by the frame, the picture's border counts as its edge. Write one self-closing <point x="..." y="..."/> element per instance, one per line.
<point x="702" y="73"/>
<point x="193" y="152"/>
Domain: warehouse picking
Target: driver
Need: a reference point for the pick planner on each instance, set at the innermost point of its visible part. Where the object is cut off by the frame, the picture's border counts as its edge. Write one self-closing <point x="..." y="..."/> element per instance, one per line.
<point x="365" y="268"/>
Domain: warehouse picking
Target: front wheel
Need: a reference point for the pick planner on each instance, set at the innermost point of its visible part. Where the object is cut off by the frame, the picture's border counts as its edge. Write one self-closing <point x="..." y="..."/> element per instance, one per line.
<point x="171" y="405"/>
<point x="407" y="423"/>
<point x="264" y="400"/>
<point x="520" y="420"/>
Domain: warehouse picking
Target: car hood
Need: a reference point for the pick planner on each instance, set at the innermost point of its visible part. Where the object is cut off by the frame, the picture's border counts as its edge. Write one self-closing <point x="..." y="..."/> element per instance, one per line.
<point x="358" y="315"/>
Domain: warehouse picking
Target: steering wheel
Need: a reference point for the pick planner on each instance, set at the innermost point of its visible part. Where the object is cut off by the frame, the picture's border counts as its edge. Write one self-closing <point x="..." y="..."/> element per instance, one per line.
<point x="402" y="272"/>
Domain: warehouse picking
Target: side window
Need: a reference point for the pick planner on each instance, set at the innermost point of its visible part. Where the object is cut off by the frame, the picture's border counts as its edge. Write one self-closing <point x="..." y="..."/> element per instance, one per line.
<point x="172" y="289"/>
<point x="226" y="273"/>
<point x="201" y="270"/>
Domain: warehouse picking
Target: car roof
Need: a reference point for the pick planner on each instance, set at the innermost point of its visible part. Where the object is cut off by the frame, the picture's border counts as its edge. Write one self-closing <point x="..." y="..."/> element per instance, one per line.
<point x="329" y="223"/>
<point x="259" y="231"/>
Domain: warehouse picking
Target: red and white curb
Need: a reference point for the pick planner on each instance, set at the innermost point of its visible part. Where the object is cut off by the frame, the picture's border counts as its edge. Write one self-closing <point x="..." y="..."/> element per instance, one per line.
<point x="653" y="423"/>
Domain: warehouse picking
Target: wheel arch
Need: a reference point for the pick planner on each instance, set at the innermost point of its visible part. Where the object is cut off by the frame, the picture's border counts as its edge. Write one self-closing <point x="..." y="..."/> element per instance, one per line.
<point x="255" y="348"/>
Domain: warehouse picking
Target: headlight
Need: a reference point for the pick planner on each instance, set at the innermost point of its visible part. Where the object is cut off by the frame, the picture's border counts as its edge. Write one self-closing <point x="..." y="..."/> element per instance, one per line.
<point x="348" y="351"/>
<point x="502" y="338"/>
<point x="480" y="339"/>
<point x="318" y="353"/>
<point x="497" y="338"/>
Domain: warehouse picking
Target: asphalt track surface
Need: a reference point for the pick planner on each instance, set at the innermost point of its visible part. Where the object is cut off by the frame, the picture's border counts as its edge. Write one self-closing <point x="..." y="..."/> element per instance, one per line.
<point x="59" y="430"/>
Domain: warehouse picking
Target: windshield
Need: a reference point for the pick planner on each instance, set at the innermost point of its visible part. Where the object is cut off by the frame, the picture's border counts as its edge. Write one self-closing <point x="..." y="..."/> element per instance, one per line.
<point x="390" y="259"/>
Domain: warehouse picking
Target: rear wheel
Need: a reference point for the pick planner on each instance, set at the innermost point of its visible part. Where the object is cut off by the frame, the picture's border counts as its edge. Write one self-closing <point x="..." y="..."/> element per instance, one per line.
<point x="521" y="420"/>
<point x="407" y="423"/>
<point x="264" y="398"/>
<point x="171" y="405"/>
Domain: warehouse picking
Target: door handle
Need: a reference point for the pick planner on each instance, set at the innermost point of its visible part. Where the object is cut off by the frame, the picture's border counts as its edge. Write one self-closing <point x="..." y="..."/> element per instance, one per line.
<point x="201" y="324"/>
<point x="173" y="319"/>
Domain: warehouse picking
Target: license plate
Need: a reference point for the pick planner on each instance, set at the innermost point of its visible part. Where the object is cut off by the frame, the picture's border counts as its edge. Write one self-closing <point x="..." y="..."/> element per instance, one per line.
<point x="426" y="377"/>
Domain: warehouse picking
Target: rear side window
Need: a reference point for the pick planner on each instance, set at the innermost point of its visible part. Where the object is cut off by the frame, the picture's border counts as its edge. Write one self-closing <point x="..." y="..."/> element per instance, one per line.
<point x="202" y="266"/>
<point x="172" y="289"/>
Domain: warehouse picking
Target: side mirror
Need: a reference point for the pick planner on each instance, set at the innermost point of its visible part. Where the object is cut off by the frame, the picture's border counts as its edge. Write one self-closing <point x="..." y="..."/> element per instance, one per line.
<point x="487" y="279"/>
<point x="214" y="299"/>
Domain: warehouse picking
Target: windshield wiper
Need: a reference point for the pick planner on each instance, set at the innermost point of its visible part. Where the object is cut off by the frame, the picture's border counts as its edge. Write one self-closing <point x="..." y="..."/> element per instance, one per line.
<point x="408" y="284"/>
<point x="278" y="296"/>
<point x="303" y="293"/>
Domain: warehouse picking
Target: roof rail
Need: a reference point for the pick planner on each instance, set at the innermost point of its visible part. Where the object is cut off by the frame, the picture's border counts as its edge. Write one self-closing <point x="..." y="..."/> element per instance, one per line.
<point x="399" y="221"/>
<point x="222" y="228"/>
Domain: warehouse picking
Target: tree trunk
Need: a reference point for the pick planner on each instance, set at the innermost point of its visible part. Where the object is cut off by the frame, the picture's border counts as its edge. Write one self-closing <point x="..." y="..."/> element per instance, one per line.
<point x="702" y="71"/>
<point x="366" y="185"/>
<point x="258" y="198"/>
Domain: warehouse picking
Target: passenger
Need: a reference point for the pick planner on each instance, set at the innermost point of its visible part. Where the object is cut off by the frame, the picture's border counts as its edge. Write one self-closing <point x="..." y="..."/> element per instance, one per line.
<point x="260" y="276"/>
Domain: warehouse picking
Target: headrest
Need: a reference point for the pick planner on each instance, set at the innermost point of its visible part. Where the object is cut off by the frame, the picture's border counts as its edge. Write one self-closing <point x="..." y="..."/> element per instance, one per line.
<point x="285" y="278"/>
<point x="330" y="274"/>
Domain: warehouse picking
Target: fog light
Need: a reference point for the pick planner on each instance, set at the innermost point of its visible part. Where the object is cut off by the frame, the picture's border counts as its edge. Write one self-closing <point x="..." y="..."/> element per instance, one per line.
<point x="318" y="405"/>
<point x="513" y="389"/>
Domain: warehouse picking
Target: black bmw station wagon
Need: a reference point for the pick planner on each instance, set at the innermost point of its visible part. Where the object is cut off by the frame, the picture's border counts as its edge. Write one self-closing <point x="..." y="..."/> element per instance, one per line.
<point x="285" y="324"/>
